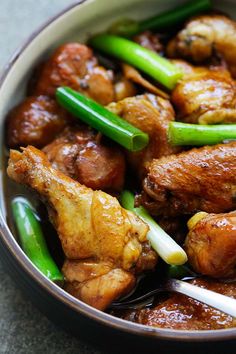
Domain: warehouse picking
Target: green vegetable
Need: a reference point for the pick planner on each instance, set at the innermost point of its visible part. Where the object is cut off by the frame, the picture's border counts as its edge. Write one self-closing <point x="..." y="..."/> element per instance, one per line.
<point x="102" y="119"/>
<point x="162" y="243"/>
<point x="32" y="240"/>
<point x="179" y="271"/>
<point x="196" y="134"/>
<point x="166" y="20"/>
<point x="144" y="59"/>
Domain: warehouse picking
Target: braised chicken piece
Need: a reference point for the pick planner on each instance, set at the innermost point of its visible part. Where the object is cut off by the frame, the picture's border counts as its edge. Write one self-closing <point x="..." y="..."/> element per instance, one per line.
<point x="184" y="313"/>
<point x="74" y="65"/>
<point x="82" y="154"/>
<point x="184" y="66"/>
<point x="211" y="245"/>
<point x="149" y="40"/>
<point x="37" y="120"/>
<point x="132" y="74"/>
<point x="152" y="115"/>
<point x="205" y="96"/>
<point x="205" y="37"/>
<point x="124" y="88"/>
<point x="102" y="241"/>
<point x="199" y="179"/>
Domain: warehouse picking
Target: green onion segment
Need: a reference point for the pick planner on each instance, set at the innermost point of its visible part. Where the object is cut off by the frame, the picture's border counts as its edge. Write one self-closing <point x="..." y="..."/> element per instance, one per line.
<point x="163" y="21"/>
<point x="198" y="135"/>
<point x="143" y="59"/>
<point x="102" y="119"/>
<point x="161" y="242"/>
<point x="32" y="239"/>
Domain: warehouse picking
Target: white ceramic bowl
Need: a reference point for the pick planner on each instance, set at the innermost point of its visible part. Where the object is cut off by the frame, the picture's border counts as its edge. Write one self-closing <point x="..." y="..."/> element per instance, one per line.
<point x="76" y="24"/>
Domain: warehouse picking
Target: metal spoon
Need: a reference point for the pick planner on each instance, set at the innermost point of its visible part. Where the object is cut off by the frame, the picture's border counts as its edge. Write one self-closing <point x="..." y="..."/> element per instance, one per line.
<point x="218" y="301"/>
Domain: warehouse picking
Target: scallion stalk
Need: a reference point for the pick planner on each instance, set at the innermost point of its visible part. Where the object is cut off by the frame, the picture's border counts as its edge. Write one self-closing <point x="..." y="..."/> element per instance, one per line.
<point x="161" y="242"/>
<point x="143" y="59"/>
<point x="165" y="20"/>
<point x="102" y="119"/>
<point x="32" y="240"/>
<point x="198" y="135"/>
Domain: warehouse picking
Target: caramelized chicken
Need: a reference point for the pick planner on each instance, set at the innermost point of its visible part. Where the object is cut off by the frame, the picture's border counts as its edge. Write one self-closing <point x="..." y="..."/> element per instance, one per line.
<point x="132" y="74"/>
<point x="149" y="40"/>
<point x="37" y="120"/>
<point x="205" y="37"/>
<point x="81" y="153"/>
<point x="211" y="245"/>
<point x="124" y="88"/>
<point x="74" y="65"/>
<point x="184" y="313"/>
<point x="199" y="179"/>
<point x="92" y="227"/>
<point x="205" y="96"/>
<point x="152" y="115"/>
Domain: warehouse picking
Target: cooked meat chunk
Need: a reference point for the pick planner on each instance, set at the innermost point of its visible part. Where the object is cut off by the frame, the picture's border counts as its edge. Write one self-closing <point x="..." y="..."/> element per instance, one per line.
<point x="203" y="38"/>
<point x="91" y="226"/>
<point x="80" y="153"/>
<point x="199" y="179"/>
<point x="74" y="65"/>
<point x="152" y="115"/>
<point x="149" y="40"/>
<point x="184" y="66"/>
<point x="134" y="75"/>
<point x="183" y="313"/>
<point x="176" y="227"/>
<point x="37" y="120"/>
<point x="96" y="283"/>
<point x="205" y="96"/>
<point x="211" y="245"/>
<point x="124" y="88"/>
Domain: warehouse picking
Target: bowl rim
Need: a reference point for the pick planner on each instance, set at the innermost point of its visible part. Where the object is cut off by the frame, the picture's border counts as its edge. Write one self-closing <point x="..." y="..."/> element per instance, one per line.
<point x="55" y="291"/>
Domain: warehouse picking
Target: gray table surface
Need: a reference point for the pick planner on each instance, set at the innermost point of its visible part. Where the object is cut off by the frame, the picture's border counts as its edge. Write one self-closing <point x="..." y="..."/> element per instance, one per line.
<point x="23" y="329"/>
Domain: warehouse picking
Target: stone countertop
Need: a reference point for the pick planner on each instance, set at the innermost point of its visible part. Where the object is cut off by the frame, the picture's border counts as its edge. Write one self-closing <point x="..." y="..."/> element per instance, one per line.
<point x="23" y="330"/>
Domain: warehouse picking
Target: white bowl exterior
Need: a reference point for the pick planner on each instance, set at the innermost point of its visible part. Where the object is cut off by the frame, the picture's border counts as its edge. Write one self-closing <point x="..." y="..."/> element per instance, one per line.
<point x="77" y="24"/>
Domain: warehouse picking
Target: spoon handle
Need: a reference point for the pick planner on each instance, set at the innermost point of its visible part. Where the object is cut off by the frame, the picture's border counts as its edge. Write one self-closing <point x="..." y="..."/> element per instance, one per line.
<point x="211" y="298"/>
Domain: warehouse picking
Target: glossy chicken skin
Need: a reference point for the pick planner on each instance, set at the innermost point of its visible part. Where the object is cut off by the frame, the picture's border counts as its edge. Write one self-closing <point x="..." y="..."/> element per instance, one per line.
<point x="149" y="40"/>
<point x="37" y="120"/>
<point x="199" y="179"/>
<point x="82" y="154"/>
<point x="211" y="245"/>
<point x="74" y="65"/>
<point x="204" y="37"/>
<point x="91" y="225"/>
<point x="205" y="96"/>
<point x="183" y="313"/>
<point x="152" y="115"/>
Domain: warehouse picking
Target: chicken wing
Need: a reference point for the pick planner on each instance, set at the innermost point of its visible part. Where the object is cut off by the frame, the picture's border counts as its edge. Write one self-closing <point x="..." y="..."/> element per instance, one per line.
<point x="205" y="96"/>
<point x="81" y="153"/>
<point x="211" y="245"/>
<point x="152" y="115"/>
<point x="74" y="65"/>
<point x="203" y="38"/>
<point x="91" y="225"/>
<point x="199" y="179"/>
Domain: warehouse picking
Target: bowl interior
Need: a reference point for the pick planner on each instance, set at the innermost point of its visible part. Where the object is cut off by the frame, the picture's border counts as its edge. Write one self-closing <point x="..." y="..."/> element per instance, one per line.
<point x="77" y="24"/>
